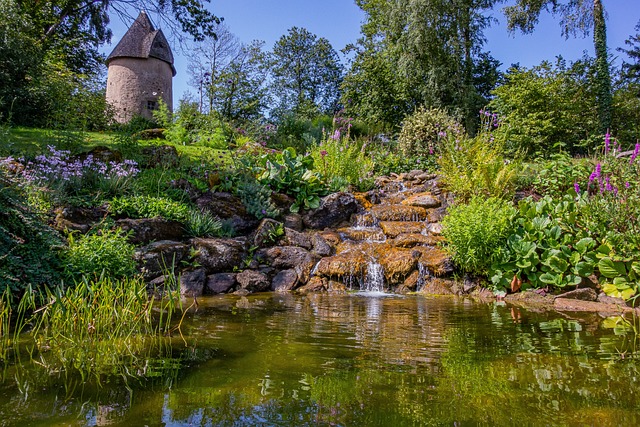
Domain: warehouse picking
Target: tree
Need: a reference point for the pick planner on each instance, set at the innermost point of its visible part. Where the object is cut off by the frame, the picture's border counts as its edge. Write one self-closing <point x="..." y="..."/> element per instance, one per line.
<point x="576" y="16"/>
<point x="419" y="52"/>
<point x="207" y="61"/>
<point x="631" y="70"/>
<point x="306" y="73"/>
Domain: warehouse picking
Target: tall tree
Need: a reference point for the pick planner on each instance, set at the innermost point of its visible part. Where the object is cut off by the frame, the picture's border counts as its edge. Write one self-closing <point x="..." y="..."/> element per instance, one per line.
<point x="631" y="70"/>
<point x="207" y="61"/>
<point x="431" y="50"/>
<point x="576" y="17"/>
<point x="306" y="72"/>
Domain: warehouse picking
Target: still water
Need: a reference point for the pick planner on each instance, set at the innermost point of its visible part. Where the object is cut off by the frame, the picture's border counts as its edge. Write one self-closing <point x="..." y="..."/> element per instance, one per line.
<point x="352" y="360"/>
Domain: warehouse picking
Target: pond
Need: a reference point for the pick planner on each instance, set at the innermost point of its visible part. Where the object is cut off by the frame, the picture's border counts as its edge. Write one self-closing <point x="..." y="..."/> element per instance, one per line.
<point x="353" y="360"/>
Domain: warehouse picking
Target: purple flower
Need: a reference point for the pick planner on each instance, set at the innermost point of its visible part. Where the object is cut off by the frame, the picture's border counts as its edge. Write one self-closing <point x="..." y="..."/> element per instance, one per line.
<point x="607" y="142"/>
<point x="635" y="153"/>
<point x="323" y="153"/>
<point x="608" y="187"/>
<point x="576" y="187"/>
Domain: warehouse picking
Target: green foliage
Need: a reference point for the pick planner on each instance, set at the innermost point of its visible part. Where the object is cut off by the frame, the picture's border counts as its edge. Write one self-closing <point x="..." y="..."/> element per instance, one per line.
<point x="419" y="52"/>
<point x="620" y="276"/>
<point x="423" y="130"/>
<point x="548" y="248"/>
<point x="104" y="253"/>
<point x="556" y="176"/>
<point x="306" y="73"/>
<point x="188" y="126"/>
<point x="149" y="207"/>
<point x="293" y="175"/>
<point x="477" y="166"/>
<point x="477" y="232"/>
<point x="28" y="246"/>
<point x="256" y="198"/>
<point x="547" y="109"/>
<point x="203" y="224"/>
<point x="342" y="162"/>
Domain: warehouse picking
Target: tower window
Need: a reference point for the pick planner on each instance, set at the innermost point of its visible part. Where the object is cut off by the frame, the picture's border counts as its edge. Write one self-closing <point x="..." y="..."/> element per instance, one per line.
<point x="152" y="105"/>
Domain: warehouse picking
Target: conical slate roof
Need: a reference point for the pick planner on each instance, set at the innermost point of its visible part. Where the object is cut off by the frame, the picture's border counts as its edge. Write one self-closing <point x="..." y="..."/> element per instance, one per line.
<point x="143" y="41"/>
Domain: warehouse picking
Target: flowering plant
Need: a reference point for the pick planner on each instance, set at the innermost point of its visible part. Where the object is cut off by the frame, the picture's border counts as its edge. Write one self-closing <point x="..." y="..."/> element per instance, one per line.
<point x="69" y="176"/>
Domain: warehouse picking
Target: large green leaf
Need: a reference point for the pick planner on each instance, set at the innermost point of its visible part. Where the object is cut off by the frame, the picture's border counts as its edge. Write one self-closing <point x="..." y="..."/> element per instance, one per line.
<point x="585" y="244"/>
<point x="611" y="269"/>
<point x="583" y="269"/>
<point x="557" y="264"/>
<point x="549" y="279"/>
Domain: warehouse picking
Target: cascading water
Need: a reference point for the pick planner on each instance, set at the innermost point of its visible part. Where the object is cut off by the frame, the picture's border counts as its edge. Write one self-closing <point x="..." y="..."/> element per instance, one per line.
<point x="374" y="278"/>
<point x="423" y="275"/>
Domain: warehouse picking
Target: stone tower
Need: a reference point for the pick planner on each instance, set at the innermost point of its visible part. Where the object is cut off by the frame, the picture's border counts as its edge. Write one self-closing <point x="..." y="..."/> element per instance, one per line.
<point x="140" y="71"/>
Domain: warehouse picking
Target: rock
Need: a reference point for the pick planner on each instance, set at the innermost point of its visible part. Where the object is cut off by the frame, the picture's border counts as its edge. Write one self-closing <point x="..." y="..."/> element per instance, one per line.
<point x="146" y="230"/>
<point x="482" y="294"/>
<point x="253" y="281"/>
<point x="218" y="254"/>
<point x="185" y="186"/>
<point x="161" y="155"/>
<point x="399" y="213"/>
<point x="161" y="256"/>
<point x="230" y="207"/>
<point x="320" y="245"/>
<point x="147" y="134"/>
<point x="349" y="263"/>
<point x="77" y="219"/>
<point x="331" y="237"/>
<point x="407" y="240"/>
<point x="286" y="280"/>
<point x="334" y="209"/>
<point x="362" y="234"/>
<point x="423" y="177"/>
<point x="192" y="283"/>
<point x="436" y="215"/>
<point x="316" y="284"/>
<point x="436" y="286"/>
<point x="411" y="282"/>
<point x="103" y="154"/>
<point x="364" y="199"/>
<point x="336" y="287"/>
<point x="242" y="293"/>
<point x="294" y="221"/>
<point x="282" y="202"/>
<point x="435" y="229"/>
<point x="530" y="299"/>
<point x="413" y="174"/>
<point x="220" y="283"/>
<point x="290" y="257"/>
<point x="606" y="299"/>
<point x="563" y="304"/>
<point x="584" y="294"/>
<point x="395" y="228"/>
<point x="295" y="238"/>
<point x="423" y="200"/>
<point x="396" y="262"/>
<point x="268" y="233"/>
<point x="435" y="259"/>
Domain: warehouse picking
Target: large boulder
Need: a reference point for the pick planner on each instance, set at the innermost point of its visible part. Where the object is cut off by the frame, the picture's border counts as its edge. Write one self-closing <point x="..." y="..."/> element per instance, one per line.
<point x="229" y="207"/>
<point x="290" y="257"/>
<point x="253" y="281"/>
<point x="77" y="219"/>
<point x="219" y="255"/>
<point x="423" y="200"/>
<point x="437" y="261"/>
<point x="268" y="233"/>
<point x="147" y="230"/>
<point x="296" y="238"/>
<point x="192" y="283"/>
<point x="286" y="280"/>
<point x="220" y="283"/>
<point x="397" y="263"/>
<point x="158" y="257"/>
<point x="334" y="209"/>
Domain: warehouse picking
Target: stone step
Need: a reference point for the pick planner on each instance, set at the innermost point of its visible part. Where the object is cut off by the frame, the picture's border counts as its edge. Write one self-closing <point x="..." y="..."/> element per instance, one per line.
<point x="399" y="213"/>
<point x="362" y="234"/>
<point x="395" y="228"/>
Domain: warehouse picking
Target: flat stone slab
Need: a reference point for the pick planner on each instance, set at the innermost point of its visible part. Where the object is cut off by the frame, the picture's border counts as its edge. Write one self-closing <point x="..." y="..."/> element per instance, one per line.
<point x="423" y="200"/>
<point x="395" y="228"/>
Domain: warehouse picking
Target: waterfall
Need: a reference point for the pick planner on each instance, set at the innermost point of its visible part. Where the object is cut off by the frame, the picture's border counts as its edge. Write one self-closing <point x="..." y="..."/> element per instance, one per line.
<point x="374" y="279"/>
<point x="423" y="275"/>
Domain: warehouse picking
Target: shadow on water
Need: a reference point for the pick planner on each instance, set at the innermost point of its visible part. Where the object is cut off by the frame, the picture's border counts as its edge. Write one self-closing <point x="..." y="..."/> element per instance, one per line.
<point x="359" y="359"/>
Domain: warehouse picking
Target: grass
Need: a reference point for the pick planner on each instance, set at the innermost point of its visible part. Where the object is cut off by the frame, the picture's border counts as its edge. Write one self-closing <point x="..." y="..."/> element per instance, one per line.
<point x="29" y="142"/>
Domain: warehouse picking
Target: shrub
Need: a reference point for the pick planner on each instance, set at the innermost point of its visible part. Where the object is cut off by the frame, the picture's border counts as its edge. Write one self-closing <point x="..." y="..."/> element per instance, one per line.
<point x="203" y="224"/>
<point x="559" y="175"/>
<point x="149" y="207"/>
<point x="257" y="199"/>
<point x="423" y="130"/>
<point x="106" y="252"/>
<point x="477" y="166"/>
<point x="339" y="159"/>
<point x="28" y="246"/>
<point x="476" y="232"/>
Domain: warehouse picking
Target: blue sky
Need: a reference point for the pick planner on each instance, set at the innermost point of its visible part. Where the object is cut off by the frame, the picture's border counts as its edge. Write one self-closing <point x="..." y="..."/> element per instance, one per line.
<point x="339" y="21"/>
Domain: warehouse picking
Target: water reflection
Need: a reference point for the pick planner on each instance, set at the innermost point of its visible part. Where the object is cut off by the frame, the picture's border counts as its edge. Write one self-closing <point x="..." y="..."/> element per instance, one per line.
<point x="355" y="360"/>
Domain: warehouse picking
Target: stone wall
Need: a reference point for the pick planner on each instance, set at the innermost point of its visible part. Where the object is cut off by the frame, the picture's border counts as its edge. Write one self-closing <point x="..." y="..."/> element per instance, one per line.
<point x="134" y="82"/>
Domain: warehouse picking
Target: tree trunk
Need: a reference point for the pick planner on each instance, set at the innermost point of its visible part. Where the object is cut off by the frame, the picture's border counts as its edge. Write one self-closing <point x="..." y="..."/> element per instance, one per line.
<point x="603" y="74"/>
